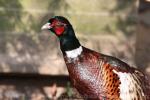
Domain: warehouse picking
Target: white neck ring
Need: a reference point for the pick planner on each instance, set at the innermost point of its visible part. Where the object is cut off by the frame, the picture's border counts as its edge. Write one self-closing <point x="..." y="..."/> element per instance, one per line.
<point x="74" y="53"/>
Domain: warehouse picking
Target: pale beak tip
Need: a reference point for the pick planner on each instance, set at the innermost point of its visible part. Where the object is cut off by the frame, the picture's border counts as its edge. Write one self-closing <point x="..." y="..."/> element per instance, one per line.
<point x="46" y="26"/>
<point x="43" y="27"/>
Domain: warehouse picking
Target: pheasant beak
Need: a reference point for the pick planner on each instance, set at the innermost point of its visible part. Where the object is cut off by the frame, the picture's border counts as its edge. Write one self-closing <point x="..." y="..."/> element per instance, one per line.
<point x="46" y="26"/>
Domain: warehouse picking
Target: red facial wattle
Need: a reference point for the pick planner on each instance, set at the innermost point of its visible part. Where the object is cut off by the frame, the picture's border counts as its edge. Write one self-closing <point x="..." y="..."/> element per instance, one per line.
<point x="59" y="30"/>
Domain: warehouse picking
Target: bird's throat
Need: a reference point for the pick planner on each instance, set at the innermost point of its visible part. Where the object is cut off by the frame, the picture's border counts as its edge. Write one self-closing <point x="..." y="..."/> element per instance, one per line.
<point x="69" y="44"/>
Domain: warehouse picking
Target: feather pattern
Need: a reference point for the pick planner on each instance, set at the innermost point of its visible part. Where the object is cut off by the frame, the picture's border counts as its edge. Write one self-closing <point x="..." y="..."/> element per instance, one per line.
<point x="97" y="76"/>
<point x="131" y="86"/>
<point x="103" y="80"/>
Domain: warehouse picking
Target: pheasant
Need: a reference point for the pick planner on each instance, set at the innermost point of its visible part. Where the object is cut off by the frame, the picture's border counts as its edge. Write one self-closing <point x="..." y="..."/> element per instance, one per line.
<point x="97" y="76"/>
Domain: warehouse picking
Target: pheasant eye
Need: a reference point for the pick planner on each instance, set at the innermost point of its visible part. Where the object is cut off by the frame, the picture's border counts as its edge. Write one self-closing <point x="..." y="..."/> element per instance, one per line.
<point x="58" y="27"/>
<point x="59" y="24"/>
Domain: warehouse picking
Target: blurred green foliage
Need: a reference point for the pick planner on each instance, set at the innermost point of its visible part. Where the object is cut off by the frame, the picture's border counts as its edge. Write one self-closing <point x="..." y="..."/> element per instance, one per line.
<point x="9" y="19"/>
<point x="94" y="16"/>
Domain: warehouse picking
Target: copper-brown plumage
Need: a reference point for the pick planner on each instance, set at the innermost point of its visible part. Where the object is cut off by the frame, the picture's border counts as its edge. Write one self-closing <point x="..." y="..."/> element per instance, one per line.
<point x="93" y="76"/>
<point x="97" y="76"/>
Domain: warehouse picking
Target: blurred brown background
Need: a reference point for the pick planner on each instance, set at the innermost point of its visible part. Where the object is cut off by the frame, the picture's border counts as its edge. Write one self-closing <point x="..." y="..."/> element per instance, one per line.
<point x="31" y="64"/>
